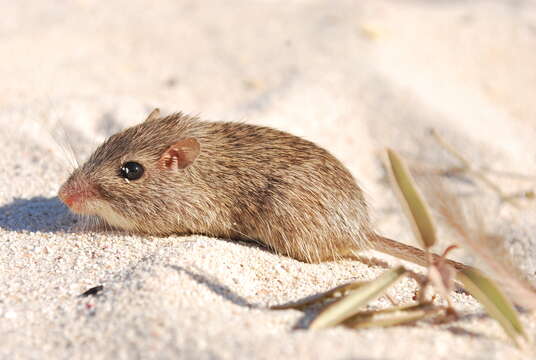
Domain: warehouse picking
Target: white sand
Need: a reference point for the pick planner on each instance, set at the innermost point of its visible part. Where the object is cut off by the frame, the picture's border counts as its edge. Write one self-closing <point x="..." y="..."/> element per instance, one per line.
<point x="353" y="76"/>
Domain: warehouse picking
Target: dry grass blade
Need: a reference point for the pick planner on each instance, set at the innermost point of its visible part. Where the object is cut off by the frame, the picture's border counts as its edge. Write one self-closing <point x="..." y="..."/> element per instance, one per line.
<point x="468" y="224"/>
<point x="393" y="316"/>
<point x="334" y="293"/>
<point x="494" y="301"/>
<point x="468" y="169"/>
<point x="348" y="306"/>
<point x="412" y="200"/>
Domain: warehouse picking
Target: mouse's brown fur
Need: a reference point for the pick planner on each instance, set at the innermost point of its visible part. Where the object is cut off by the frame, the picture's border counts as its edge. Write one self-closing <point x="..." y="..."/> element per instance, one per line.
<point x="229" y="180"/>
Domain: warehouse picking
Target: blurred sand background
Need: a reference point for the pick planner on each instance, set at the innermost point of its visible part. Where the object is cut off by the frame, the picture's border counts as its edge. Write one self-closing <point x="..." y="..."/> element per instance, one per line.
<point x="353" y="76"/>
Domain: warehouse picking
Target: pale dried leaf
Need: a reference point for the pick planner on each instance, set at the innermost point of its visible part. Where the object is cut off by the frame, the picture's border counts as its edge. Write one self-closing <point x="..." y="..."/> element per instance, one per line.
<point x="412" y="201"/>
<point x="350" y="305"/>
<point x="496" y="304"/>
<point x="393" y="317"/>
<point x="334" y="293"/>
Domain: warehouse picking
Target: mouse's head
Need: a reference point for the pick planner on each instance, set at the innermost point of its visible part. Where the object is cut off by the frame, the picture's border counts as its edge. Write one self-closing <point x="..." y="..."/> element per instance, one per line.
<point x="135" y="175"/>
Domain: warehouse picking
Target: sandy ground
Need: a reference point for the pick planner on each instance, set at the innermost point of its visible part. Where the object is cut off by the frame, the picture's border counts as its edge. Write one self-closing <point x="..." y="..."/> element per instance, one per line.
<point x="353" y="76"/>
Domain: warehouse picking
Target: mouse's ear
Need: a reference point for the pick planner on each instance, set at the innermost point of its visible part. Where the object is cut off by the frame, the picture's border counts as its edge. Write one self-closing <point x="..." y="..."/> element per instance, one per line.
<point x="180" y="155"/>
<point x="155" y="114"/>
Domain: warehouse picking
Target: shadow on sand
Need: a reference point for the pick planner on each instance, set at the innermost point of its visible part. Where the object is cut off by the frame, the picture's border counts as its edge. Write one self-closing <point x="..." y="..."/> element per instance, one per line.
<point x="36" y="214"/>
<point x="214" y="286"/>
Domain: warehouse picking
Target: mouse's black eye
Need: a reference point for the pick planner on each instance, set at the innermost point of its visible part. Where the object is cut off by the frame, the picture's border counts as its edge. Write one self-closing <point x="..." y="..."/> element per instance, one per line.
<point x="131" y="170"/>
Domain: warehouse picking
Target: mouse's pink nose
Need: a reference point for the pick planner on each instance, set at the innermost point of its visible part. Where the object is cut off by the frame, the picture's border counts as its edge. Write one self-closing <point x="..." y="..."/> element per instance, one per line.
<point x="69" y="197"/>
<point x="75" y="194"/>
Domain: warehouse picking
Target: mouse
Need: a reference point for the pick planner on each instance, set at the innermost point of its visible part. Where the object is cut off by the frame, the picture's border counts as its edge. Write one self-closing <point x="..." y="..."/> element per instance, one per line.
<point x="180" y="175"/>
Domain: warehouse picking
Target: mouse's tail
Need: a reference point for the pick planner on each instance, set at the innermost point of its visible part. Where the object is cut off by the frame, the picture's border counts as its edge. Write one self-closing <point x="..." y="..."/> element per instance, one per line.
<point x="407" y="252"/>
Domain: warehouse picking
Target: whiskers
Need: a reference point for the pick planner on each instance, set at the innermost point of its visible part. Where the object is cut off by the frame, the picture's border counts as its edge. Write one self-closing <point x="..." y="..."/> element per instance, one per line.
<point x="89" y="223"/>
<point x="52" y="128"/>
<point x="60" y="138"/>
